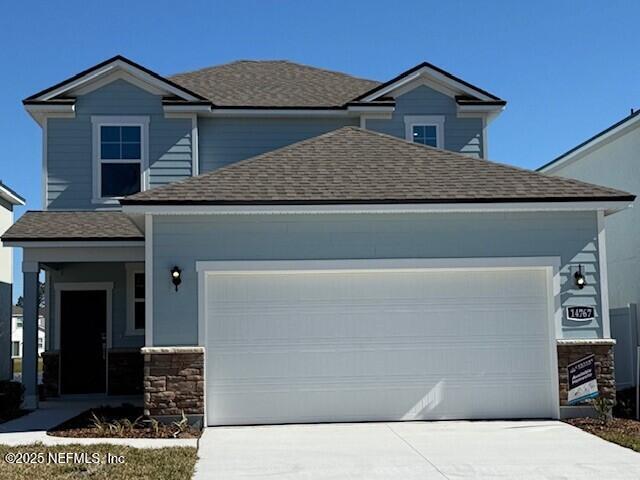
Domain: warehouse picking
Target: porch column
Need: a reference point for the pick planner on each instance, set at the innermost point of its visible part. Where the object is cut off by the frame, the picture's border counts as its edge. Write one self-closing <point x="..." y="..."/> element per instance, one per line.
<point x="30" y="334"/>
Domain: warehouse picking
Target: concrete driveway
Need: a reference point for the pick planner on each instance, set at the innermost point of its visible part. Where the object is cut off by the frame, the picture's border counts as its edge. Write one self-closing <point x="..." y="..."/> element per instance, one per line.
<point x="412" y="450"/>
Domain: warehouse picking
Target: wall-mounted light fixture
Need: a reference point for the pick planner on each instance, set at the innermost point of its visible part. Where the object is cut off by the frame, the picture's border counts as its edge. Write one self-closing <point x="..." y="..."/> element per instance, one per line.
<point x="579" y="278"/>
<point x="176" y="276"/>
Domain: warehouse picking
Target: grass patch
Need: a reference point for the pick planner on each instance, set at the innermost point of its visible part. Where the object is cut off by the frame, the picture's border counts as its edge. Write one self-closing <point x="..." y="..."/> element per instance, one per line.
<point x="175" y="463"/>
<point x="623" y="431"/>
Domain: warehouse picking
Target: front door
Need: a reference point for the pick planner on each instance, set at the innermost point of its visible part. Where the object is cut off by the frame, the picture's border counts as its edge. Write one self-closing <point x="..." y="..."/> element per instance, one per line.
<point x="83" y="328"/>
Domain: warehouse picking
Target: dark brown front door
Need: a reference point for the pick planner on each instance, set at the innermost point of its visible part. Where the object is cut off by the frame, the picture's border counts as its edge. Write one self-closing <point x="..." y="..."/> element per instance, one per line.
<point x="83" y="328"/>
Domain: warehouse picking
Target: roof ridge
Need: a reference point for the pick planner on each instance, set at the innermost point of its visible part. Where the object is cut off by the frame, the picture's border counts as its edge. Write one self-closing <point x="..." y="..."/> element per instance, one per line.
<point x="290" y="62"/>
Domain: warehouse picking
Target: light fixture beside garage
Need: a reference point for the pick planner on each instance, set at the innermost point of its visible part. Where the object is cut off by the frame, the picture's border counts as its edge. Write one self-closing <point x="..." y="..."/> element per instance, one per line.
<point x="579" y="278"/>
<point x="176" y="276"/>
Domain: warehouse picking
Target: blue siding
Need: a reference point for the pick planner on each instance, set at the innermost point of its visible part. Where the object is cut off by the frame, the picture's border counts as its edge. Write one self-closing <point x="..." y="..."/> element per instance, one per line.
<point x="183" y="240"/>
<point x="462" y="135"/>
<point x="69" y="143"/>
<point x="226" y="140"/>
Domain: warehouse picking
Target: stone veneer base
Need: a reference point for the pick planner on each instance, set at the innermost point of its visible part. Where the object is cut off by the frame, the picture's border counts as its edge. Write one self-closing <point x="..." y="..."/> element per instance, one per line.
<point x="173" y="381"/>
<point x="570" y="351"/>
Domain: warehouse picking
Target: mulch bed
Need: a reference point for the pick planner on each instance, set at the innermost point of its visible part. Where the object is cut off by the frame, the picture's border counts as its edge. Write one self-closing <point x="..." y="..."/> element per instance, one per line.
<point x="126" y="421"/>
<point x="623" y="431"/>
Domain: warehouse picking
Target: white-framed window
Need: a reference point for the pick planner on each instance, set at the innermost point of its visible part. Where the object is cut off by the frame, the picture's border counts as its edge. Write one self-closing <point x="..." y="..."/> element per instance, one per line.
<point x="15" y="349"/>
<point x="40" y="343"/>
<point x="425" y="129"/>
<point x="135" y="299"/>
<point x="120" y="157"/>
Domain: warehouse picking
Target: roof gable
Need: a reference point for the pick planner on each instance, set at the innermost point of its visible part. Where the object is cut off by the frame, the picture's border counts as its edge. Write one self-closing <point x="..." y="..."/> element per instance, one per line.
<point x="429" y="74"/>
<point x="355" y="166"/>
<point x="110" y="70"/>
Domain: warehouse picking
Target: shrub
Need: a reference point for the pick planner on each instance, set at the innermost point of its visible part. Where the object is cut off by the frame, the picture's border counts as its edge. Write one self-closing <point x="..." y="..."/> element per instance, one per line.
<point x="603" y="407"/>
<point x="11" y="395"/>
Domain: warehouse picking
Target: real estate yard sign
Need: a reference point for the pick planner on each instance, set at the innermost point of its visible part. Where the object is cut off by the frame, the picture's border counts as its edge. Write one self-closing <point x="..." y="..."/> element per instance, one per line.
<point x="582" y="380"/>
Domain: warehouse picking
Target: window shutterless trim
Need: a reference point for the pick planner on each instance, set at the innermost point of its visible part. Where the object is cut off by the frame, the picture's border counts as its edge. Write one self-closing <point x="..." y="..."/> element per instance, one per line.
<point x="132" y="270"/>
<point x="437" y="121"/>
<point x="99" y="121"/>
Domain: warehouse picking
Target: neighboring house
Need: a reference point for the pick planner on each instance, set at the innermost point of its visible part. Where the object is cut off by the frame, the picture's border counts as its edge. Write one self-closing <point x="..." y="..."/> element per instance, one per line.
<point x="16" y="332"/>
<point x="8" y="200"/>
<point x="287" y="245"/>
<point x="611" y="158"/>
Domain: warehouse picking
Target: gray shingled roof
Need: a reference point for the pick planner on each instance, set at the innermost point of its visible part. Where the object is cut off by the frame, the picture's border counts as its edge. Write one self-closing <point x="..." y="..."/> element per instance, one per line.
<point x="87" y="226"/>
<point x="351" y="165"/>
<point x="278" y="83"/>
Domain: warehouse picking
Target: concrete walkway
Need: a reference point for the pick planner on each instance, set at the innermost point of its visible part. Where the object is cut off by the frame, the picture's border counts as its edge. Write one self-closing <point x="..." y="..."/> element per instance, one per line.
<point x="412" y="450"/>
<point x="33" y="427"/>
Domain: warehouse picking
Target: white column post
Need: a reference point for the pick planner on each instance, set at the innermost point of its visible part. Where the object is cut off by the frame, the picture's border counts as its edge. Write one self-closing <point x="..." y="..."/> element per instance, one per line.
<point x="604" y="277"/>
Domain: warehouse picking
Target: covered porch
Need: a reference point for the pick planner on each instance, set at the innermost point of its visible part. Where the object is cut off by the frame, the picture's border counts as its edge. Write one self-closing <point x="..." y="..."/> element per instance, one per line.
<point x="92" y="265"/>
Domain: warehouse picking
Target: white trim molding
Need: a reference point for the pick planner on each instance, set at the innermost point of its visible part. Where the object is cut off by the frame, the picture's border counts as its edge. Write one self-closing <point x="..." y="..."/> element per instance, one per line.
<point x="586" y="341"/>
<point x="429" y="74"/>
<point x="72" y="243"/>
<point x="148" y="280"/>
<point x="437" y="121"/>
<point x="98" y="121"/>
<point x="195" y="149"/>
<point x="171" y="350"/>
<point x="604" y="276"/>
<point x="607" y="206"/>
<point x="133" y="269"/>
<point x="117" y="64"/>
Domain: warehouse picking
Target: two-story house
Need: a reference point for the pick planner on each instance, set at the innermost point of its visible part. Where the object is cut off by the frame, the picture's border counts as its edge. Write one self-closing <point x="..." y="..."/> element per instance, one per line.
<point x="285" y="243"/>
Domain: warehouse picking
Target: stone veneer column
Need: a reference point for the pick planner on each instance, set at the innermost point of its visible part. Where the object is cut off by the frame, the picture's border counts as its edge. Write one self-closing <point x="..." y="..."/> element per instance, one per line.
<point x="173" y="381"/>
<point x="570" y="351"/>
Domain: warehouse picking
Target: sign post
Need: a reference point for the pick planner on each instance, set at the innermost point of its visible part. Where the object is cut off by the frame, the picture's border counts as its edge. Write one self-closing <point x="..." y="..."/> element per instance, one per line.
<point x="582" y="380"/>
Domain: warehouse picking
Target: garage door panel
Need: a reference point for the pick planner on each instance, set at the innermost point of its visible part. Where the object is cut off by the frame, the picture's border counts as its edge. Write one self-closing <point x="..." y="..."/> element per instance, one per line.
<point x="437" y="359"/>
<point x="383" y="345"/>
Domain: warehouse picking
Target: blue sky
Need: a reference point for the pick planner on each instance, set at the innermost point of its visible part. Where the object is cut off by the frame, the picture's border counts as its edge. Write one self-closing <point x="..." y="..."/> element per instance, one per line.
<point x="568" y="69"/>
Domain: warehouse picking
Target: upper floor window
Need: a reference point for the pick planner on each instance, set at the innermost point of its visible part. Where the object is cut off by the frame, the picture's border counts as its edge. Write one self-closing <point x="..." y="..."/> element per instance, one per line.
<point x="120" y="146"/>
<point x="425" y="129"/>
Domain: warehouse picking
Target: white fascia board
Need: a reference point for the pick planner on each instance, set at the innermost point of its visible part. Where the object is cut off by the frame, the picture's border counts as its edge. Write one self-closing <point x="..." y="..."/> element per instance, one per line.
<point x="41" y="112"/>
<point x="71" y="243"/>
<point x="190" y="109"/>
<point x="374" y="110"/>
<point x="607" y="207"/>
<point x="489" y="111"/>
<point x="10" y="196"/>
<point x="378" y="264"/>
<point x="112" y="67"/>
<point x="592" y="145"/>
<point x="433" y="74"/>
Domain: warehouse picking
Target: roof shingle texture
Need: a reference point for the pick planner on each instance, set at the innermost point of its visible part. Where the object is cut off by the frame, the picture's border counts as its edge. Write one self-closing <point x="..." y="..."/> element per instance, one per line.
<point x="277" y="83"/>
<point x="44" y="226"/>
<point x="352" y="165"/>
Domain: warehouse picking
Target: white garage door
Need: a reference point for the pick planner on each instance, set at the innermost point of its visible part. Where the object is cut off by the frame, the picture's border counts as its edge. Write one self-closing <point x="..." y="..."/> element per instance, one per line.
<point x="384" y="344"/>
